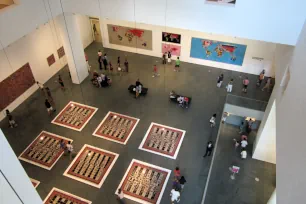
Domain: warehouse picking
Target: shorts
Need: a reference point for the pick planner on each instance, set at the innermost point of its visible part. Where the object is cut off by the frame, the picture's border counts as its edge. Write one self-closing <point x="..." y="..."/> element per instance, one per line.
<point x="50" y="109"/>
<point x="245" y="86"/>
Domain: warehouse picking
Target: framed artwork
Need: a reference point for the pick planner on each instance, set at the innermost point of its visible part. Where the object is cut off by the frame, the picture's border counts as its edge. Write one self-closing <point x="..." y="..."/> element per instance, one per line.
<point x="174" y="49"/>
<point x="61" y="52"/>
<point x="171" y="37"/>
<point x="130" y="37"/>
<point x="229" y="53"/>
<point x="15" y="85"/>
<point x="51" y="60"/>
<point x="222" y="2"/>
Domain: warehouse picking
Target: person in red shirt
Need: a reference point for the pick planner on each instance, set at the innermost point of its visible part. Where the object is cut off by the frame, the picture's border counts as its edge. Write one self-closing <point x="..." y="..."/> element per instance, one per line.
<point x="245" y="83"/>
<point x="177" y="172"/>
<point x="155" y="71"/>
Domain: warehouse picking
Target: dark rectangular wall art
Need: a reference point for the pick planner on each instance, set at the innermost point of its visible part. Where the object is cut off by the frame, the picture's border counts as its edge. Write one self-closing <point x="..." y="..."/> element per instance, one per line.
<point x="61" y="52"/>
<point x="15" y="85"/>
<point x="171" y="37"/>
<point x="51" y="60"/>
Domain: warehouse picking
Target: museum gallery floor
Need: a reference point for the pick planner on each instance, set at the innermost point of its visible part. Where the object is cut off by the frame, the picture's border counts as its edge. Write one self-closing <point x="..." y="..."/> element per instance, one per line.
<point x="62" y="197"/>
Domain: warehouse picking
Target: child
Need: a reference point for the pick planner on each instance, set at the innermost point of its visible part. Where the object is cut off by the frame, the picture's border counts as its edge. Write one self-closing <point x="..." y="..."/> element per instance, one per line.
<point x="230" y="86"/>
<point x="111" y="67"/>
<point x="213" y="120"/>
<point x="177" y="64"/>
<point x="155" y="71"/>
<point x="12" y="122"/>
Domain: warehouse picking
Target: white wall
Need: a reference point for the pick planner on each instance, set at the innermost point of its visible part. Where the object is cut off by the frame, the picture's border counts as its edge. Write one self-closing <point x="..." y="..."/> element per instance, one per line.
<point x="291" y="140"/>
<point x="265" y="144"/>
<point x="17" y="177"/>
<point x="254" y="48"/>
<point x="35" y="48"/>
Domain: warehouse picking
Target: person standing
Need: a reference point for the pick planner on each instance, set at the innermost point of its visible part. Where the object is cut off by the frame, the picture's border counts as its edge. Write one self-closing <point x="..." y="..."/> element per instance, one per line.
<point x="40" y="85"/>
<point x="230" y="86"/>
<point x="241" y="127"/>
<point x="120" y="196"/>
<point x="126" y="65"/>
<point x="260" y="78"/>
<point x="88" y="66"/>
<point x="220" y="80"/>
<point x="177" y="65"/>
<point x="118" y="61"/>
<point x="49" y="107"/>
<point x="11" y="120"/>
<point x="245" y="83"/>
<point x="105" y="63"/>
<point x="182" y="182"/>
<point x="69" y="149"/>
<point x="155" y="71"/>
<point x="100" y="59"/>
<point x="244" y="143"/>
<point x="243" y="153"/>
<point x="177" y="172"/>
<point x="49" y="96"/>
<point x="164" y="58"/>
<point x="212" y="120"/>
<point x="169" y="57"/>
<point x="61" y="82"/>
<point x="225" y="114"/>
<point x="209" y="149"/>
<point x="267" y="85"/>
<point x="111" y="69"/>
<point x="175" y="196"/>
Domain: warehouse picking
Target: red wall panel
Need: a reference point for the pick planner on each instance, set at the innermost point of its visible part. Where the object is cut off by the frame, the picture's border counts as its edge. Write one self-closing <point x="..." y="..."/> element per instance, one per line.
<point x="15" y="85"/>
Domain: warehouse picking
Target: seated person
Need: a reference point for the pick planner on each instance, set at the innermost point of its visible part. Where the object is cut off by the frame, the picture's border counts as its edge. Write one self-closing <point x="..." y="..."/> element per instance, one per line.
<point x="173" y="94"/>
<point x="138" y="83"/>
<point x="99" y="79"/>
<point x="105" y="81"/>
<point x="180" y="99"/>
<point x="186" y="101"/>
<point x="138" y="90"/>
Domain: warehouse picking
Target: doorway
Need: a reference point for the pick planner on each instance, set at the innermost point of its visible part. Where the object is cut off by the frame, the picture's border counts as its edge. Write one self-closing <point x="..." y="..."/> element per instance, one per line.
<point x="96" y="30"/>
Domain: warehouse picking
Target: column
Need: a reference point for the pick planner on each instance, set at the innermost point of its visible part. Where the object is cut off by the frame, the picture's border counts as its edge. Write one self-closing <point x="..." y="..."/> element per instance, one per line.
<point x="272" y="200"/>
<point x="70" y="34"/>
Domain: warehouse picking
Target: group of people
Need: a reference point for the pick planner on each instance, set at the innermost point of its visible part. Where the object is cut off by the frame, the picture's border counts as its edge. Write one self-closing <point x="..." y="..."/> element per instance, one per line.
<point x="46" y="92"/>
<point x="182" y="100"/>
<point x="100" y="80"/>
<point x="244" y="130"/>
<point x="103" y="60"/>
<point x="177" y="186"/>
<point x="177" y="61"/>
<point x="245" y="82"/>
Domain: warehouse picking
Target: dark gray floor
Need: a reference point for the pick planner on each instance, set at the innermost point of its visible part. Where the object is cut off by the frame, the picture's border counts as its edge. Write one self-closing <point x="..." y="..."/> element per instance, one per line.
<point x="244" y="189"/>
<point x="193" y="80"/>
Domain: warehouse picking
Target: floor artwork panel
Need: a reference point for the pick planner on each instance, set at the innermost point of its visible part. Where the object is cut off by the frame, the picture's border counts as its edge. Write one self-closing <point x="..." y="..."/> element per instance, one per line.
<point x="75" y="116"/>
<point x="44" y="151"/>
<point x="163" y="140"/>
<point x="116" y="127"/>
<point x="144" y="183"/>
<point x="57" y="196"/>
<point x="35" y="182"/>
<point x="92" y="165"/>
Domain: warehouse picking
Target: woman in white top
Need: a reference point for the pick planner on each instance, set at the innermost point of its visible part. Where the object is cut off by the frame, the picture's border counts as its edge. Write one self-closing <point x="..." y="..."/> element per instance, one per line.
<point x="69" y="149"/>
<point x="175" y="196"/>
<point x="213" y="120"/>
<point x="243" y="154"/>
<point x="230" y="86"/>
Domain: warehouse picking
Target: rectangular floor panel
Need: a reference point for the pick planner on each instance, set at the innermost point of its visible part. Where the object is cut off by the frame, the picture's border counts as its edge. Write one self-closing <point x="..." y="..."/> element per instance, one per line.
<point x="75" y="116"/>
<point x="35" y="182"/>
<point x="116" y="127"/>
<point x="91" y="165"/>
<point x="144" y="183"/>
<point x="57" y="196"/>
<point x="44" y="151"/>
<point x="163" y="140"/>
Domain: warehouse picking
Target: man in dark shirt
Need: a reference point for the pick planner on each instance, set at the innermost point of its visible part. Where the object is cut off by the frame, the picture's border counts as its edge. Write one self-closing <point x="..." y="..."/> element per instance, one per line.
<point x="12" y="122"/>
<point x="209" y="148"/>
<point x="49" y="107"/>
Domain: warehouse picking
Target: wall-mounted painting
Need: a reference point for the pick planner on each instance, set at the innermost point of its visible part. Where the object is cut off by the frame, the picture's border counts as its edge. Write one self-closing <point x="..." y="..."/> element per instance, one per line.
<point x="131" y="37"/>
<point x="174" y="49"/>
<point x="15" y="85"/>
<point x="222" y="2"/>
<point x="61" y="52"/>
<point x="171" y="37"/>
<point x="51" y="60"/>
<point x="224" y="52"/>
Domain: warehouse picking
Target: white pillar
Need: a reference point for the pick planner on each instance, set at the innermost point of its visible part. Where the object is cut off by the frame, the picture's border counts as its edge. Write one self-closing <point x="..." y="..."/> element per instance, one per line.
<point x="272" y="200"/>
<point x="73" y="46"/>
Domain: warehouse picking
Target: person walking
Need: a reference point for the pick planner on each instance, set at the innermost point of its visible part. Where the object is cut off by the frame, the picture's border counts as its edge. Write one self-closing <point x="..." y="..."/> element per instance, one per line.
<point x="176" y="184"/>
<point x="225" y="114"/>
<point x="164" y="58"/>
<point x="244" y="143"/>
<point x="177" y="65"/>
<point x="118" y="61"/>
<point x="182" y="182"/>
<point x="250" y="123"/>
<point x="120" y="196"/>
<point x="49" y="107"/>
<point x="241" y="127"/>
<point x="111" y="68"/>
<point x="126" y="65"/>
<point x="100" y="59"/>
<point x="69" y="149"/>
<point x="61" y="82"/>
<point x="220" y="80"/>
<point x="10" y="118"/>
<point x="155" y="71"/>
<point x="105" y="63"/>
<point x="175" y="196"/>
<point x="267" y="85"/>
<point x="40" y="85"/>
<point x="177" y="172"/>
<point x="209" y="149"/>
<point x="169" y="57"/>
<point x="63" y="145"/>
<point x="245" y="83"/>
<point x="212" y="120"/>
<point x="49" y="96"/>
<point x="243" y="153"/>
<point x="230" y="86"/>
<point x="260" y="78"/>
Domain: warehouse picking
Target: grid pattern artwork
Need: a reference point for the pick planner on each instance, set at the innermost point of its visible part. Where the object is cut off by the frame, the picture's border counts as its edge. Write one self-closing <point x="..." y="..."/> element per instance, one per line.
<point x="61" y="52"/>
<point x="44" y="151"/>
<point x="163" y="140"/>
<point x="144" y="182"/>
<point x="116" y="127"/>
<point x="91" y="165"/>
<point x="35" y="182"/>
<point x="75" y="116"/>
<point x="57" y="196"/>
<point x="15" y="85"/>
<point x="51" y="60"/>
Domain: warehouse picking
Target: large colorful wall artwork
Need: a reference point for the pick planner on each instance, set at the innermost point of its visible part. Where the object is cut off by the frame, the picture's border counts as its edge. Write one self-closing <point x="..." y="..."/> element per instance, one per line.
<point x="174" y="49"/>
<point x="171" y="37"/>
<point x="131" y="37"/>
<point x="224" y="52"/>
